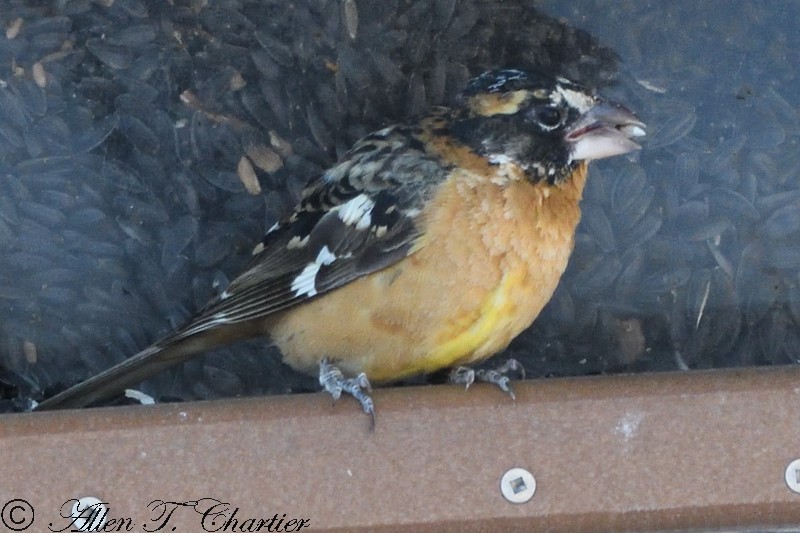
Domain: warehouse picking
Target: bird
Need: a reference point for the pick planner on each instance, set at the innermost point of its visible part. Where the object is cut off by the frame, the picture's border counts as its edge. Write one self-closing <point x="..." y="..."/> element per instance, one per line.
<point x="429" y="245"/>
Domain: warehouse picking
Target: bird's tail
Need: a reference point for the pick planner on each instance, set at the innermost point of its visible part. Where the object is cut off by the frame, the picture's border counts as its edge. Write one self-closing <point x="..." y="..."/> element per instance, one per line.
<point x="150" y="361"/>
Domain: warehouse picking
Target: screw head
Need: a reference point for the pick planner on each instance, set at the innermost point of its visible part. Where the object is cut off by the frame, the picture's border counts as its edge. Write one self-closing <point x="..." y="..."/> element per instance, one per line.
<point x="518" y="485"/>
<point x="792" y="476"/>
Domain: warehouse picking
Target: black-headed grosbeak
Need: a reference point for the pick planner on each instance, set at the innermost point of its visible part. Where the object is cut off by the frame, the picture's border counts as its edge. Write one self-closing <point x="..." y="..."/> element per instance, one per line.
<point x="427" y="246"/>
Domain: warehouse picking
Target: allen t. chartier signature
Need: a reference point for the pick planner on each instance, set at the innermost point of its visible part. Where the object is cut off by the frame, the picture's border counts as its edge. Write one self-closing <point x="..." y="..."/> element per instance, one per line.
<point x="215" y="515"/>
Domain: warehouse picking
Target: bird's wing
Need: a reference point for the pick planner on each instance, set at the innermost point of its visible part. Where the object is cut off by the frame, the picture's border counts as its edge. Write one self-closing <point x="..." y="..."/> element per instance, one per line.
<point x="357" y="218"/>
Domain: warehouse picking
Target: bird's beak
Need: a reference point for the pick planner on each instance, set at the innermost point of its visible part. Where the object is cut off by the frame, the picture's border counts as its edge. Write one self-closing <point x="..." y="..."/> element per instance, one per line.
<point x="605" y="130"/>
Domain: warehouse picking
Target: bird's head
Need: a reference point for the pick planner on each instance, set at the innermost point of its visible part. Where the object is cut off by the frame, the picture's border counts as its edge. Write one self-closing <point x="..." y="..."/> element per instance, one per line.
<point x="546" y="126"/>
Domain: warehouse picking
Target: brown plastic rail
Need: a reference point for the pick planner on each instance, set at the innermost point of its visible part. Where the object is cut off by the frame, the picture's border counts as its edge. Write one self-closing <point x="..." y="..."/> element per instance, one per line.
<point x="694" y="450"/>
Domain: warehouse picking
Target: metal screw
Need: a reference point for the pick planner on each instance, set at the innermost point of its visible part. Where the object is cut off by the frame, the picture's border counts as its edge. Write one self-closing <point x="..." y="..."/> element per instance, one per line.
<point x="792" y="476"/>
<point x="518" y="485"/>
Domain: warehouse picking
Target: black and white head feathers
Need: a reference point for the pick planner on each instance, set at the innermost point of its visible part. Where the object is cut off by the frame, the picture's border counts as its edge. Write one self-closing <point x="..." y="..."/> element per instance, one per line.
<point x="533" y="120"/>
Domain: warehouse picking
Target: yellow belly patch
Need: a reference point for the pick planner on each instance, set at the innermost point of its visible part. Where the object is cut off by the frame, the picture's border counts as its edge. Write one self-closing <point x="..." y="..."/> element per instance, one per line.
<point x="484" y="336"/>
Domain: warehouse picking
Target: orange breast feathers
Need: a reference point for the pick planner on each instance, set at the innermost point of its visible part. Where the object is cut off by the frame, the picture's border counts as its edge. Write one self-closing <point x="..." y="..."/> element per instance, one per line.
<point x="491" y="255"/>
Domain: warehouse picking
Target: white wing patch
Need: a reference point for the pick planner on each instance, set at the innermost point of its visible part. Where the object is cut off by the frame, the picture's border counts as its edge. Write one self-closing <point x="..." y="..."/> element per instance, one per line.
<point x="385" y="132"/>
<point x="500" y="159"/>
<point x="305" y="282"/>
<point x="297" y="242"/>
<point x="357" y="211"/>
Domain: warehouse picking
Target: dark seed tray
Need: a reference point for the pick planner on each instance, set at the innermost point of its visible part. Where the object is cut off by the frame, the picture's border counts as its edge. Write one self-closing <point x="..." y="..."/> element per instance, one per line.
<point x="125" y="203"/>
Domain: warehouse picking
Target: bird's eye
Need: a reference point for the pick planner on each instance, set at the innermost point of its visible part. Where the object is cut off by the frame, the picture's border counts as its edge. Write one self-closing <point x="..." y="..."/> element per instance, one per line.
<point x="549" y="117"/>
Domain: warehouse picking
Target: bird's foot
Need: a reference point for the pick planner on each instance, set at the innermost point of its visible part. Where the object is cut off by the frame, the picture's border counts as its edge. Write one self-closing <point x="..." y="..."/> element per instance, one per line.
<point x="467" y="376"/>
<point x="334" y="382"/>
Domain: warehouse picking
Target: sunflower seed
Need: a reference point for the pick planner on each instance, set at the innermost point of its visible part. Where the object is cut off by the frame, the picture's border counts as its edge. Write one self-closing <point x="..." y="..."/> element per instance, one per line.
<point x="350" y="12"/>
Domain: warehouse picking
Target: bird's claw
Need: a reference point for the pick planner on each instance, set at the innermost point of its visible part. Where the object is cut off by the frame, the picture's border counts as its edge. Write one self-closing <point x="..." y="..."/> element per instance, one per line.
<point x="334" y="382"/>
<point x="498" y="378"/>
<point x="462" y="375"/>
<point x="497" y="375"/>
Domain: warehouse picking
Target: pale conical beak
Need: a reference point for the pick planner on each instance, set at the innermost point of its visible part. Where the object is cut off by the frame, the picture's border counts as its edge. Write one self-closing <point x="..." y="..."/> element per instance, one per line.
<point x="605" y="130"/>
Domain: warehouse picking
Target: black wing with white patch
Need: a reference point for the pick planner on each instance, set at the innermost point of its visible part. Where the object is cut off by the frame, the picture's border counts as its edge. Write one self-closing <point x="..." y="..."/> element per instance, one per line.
<point x="357" y="218"/>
